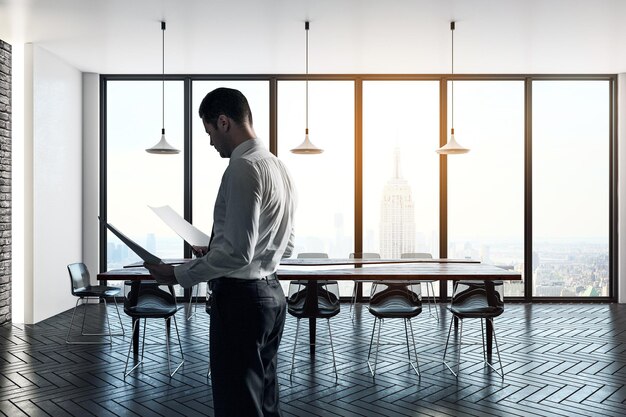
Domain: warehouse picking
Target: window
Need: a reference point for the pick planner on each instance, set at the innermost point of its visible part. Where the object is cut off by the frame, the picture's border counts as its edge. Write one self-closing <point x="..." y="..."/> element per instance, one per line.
<point x="570" y="188"/>
<point x="400" y="168"/>
<point x="325" y="183"/>
<point x="137" y="179"/>
<point x="486" y="185"/>
<point x="570" y="133"/>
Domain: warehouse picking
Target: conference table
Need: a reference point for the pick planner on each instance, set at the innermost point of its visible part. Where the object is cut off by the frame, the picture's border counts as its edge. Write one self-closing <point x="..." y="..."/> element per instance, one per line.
<point x="355" y="270"/>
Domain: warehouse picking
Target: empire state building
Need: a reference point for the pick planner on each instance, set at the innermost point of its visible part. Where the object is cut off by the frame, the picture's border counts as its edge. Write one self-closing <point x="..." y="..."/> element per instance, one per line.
<point x="397" y="215"/>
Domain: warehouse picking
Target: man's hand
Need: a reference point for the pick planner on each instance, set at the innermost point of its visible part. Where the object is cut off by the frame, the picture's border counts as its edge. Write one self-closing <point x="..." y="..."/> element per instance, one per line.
<point x="199" y="251"/>
<point x="162" y="273"/>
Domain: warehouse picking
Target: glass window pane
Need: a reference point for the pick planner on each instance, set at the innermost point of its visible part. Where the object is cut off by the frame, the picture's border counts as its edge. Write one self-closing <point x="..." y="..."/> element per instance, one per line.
<point x="325" y="182"/>
<point x="400" y="168"/>
<point x="570" y="188"/>
<point x="137" y="179"/>
<point x="486" y="185"/>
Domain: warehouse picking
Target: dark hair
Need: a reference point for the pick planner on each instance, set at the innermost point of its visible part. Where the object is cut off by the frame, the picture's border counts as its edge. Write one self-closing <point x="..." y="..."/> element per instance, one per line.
<point x="227" y="101"/>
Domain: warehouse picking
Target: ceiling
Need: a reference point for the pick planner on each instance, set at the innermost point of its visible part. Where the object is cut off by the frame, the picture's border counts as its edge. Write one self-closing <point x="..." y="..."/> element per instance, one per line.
<point x="346" y="36"/>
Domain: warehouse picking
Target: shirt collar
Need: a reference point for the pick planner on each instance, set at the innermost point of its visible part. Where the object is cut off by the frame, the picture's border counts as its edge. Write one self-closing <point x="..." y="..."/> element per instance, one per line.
<point x="244" y="147"/>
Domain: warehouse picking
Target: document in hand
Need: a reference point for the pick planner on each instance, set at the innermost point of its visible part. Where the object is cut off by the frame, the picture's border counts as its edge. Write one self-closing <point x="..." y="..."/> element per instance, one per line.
<point x="140" y="251"/>
<point x="182" y="227"/>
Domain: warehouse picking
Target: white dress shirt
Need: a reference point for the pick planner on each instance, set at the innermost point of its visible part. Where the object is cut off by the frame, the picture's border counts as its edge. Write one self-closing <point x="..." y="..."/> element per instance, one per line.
<point x="252" y="219"/>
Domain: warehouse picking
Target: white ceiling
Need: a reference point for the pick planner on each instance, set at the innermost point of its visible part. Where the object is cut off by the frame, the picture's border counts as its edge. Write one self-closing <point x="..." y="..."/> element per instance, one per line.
<point x="346" y="36"/>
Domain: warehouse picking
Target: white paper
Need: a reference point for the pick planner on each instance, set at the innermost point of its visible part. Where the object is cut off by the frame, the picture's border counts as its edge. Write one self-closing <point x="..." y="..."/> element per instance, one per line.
<point x="182" y="227"/>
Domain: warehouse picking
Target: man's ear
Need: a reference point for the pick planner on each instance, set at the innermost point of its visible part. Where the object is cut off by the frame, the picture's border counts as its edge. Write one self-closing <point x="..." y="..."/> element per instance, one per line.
<point x="223" y="123"/>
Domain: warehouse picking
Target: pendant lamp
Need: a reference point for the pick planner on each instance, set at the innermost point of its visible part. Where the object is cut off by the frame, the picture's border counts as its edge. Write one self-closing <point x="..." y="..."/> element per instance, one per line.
<point x="163" y="147"/>
<point x="452" y="147"/>
<point x="306" y="147"/>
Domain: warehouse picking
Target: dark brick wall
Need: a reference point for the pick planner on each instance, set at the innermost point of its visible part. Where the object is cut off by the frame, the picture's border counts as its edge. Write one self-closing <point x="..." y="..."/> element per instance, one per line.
<point x="5" y="182"/>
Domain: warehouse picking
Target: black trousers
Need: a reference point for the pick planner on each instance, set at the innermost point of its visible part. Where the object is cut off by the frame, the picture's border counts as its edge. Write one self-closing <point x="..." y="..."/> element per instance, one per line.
<point x="247" y="320"/>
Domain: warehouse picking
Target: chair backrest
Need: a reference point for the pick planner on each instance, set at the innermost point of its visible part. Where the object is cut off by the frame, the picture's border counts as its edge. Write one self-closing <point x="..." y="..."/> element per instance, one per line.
<point x="150" y="296"/>
<point x="479" y="294"/>
<point x="416" y="255"/>
<point x="385" y="290"/>
<point x="327" y="296"/>
<point x="79" y="276"/>
<point x="365" y="255"/>
<point x="313" y="255"/>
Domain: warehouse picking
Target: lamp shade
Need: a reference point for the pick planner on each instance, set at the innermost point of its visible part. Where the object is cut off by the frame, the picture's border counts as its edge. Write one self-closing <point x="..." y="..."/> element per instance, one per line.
<point x="163" y="147"/>
<point x="452" y="147"/>
<point x="307" y="147"/>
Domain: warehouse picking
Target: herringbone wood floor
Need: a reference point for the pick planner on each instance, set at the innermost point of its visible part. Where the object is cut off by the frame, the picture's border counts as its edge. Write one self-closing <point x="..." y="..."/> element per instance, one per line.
<point x="559" y="360"/>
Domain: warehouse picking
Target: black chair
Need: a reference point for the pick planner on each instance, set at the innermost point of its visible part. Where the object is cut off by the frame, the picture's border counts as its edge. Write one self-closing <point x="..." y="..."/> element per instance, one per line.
<point x="430" y="287"/>
<point x="149" y="301"/>
<point x="303" y="305"/>
<point x="363" y="255"/>
<point x="391" y="300"/>
<point x="480" y="300"/>
<point x="82" y="288"/>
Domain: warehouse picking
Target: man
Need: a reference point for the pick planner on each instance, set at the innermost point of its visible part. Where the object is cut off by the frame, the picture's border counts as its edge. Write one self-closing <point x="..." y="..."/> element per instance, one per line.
<point x="252" y="231"/>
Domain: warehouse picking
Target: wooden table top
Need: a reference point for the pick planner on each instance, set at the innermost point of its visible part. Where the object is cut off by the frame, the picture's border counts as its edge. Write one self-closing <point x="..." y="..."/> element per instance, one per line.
<point x="413" y="271"/>
<point x="434" y="270"/>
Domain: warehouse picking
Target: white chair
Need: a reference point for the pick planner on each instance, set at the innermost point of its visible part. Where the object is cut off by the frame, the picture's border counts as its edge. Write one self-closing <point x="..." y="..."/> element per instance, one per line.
<point x="429" y="283"/>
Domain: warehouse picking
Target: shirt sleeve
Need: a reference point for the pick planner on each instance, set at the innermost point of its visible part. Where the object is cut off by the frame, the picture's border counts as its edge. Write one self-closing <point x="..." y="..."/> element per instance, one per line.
<point x="290" y="245"/>
<point x="242" y="194"/>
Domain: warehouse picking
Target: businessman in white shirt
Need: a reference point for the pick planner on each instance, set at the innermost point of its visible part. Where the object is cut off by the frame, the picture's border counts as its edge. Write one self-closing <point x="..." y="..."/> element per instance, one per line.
<point x="252" y="231"/>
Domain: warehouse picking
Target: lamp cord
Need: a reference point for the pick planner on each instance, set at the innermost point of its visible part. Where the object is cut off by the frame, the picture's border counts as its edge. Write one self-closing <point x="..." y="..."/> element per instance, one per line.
<point x="452" y="81"/>
<point x="306" y="27"/>
<point x="163" y="77"/>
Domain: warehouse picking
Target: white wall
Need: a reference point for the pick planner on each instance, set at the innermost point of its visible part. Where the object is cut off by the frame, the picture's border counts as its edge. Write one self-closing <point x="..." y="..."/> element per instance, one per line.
<point x="91" y="172"/>
<point x="621" y="180"/>
<point x="53" y="182"/>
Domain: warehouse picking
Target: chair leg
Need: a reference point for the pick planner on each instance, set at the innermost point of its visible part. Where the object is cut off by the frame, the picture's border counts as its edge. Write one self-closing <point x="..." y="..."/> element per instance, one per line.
<point x="373" y="369"/>
<point x="82" y="333"/>
<point x="435" y="307"/>
<point x="417" y="362"/>
<point x="82" y="327"/>
<point x="130" y="345"/>
<point x="293" y="354"/>
<point x="501" y="373"/>
<point x="106" y="314"/>
<point x="195" y="305"/>
<point x="332" y="349"/>
<point x="445" y="351"/>
<point x="167" y="346"/>
<point x="353" y="302"/>
<point x="119" y="317"/>
<point x="67" y="338"/>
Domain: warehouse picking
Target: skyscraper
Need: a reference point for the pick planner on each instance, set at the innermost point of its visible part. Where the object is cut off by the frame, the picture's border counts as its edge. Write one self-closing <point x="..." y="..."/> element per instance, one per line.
<point x="397" y="215"/>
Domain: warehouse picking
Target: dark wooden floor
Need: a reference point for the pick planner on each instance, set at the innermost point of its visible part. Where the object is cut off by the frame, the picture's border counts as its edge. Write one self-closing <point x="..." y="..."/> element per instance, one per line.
<point x="559" y="360"/>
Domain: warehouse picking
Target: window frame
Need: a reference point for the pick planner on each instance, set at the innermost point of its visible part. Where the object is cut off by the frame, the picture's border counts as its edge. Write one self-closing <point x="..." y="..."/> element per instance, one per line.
<point x="358" y="156"/>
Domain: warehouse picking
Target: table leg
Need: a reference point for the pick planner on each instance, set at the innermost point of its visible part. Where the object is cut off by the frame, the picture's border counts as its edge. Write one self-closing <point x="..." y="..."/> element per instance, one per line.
<point x="311" y="306"/>
<point x="136" y="328"/>
<point x="312" y="328"/>
<point x="489" y="330"/>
